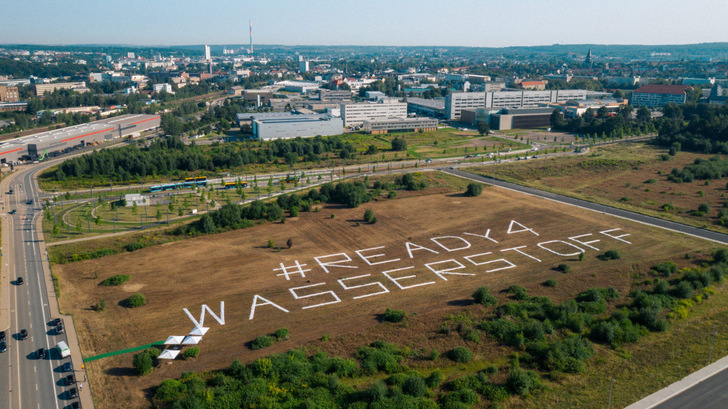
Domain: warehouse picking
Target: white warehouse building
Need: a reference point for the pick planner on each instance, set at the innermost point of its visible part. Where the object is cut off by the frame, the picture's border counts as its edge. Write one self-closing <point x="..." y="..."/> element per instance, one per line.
<point x="356" y="114"/>
<point x="293" y="125"/>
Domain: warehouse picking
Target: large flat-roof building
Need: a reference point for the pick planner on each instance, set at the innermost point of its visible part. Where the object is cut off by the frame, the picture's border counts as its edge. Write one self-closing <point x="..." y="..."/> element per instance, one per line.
<point x="343" y="95"/>
<point x="294" y="125"/>
<point x="64" y="140"/>
<point x="382" y="126"/>
<point x="521" y="118"/>
<point x="434" y="108"/>
<point x="41" y="89"/>
<point x="356" y="114"/>
<point x="457" y="101"/>
<point x="9" y="94"/>
<point x="655" y="96"/>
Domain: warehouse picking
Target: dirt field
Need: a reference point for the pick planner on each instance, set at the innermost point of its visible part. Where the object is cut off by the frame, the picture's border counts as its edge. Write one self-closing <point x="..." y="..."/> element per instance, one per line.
<point x="236" y="266"/>
<point x="630" y="176"/>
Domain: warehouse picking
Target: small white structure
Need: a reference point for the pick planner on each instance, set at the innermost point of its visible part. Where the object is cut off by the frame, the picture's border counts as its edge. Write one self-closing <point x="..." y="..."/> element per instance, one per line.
<point x="168" y="354"/>
<point x="191" y="340"/>
<point x="137" y="198"/>
<point x="174" y="340"/>
<point x="199" y="331"/>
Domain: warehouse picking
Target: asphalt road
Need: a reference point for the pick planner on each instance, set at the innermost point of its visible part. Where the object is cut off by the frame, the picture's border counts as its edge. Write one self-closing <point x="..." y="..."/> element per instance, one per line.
<point x="665" y="224"/>
<point x="711" y="393"/>
<point x="30" y="382"/>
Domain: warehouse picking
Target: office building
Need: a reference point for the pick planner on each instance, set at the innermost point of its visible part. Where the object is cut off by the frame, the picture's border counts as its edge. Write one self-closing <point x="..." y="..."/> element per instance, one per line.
<point x="521" y="118"/>
<point x="434" y="108"/>
<point x="207" y="52"/>
<point x="656" y="96"/>
<point x="9" y="94"/>
<point x="335" y="95"/>
<point x="302" y="64"/>
<point x="163" y="87"/>
<point x="356" y="114"/>
<point x="457" y="101"/>
<point x="382" y="126"/>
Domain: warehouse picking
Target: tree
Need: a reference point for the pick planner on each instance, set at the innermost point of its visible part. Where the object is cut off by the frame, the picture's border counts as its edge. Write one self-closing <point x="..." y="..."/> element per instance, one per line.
<point x="171" y="125"/>
<point x="483" y="296"/>
<point x="399" y="144"/>
<point x="483" y="128"/>
<point x="474" y="189"/>
<point x="142" y="363"/>
<point x="368" y="215"/>
<point x="371" y="150"/>
<point x="136" y="300"/>
<point x="289" y="243"/>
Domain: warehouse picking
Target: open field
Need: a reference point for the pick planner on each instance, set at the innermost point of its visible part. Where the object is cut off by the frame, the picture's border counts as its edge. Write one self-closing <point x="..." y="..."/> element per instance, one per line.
<point x="628" y="176"/>
<point x="236" y="266"/>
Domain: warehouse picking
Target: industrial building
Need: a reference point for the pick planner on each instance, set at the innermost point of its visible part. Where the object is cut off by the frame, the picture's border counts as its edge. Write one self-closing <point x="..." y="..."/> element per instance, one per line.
<point x="356" y="114"/>
<point x="41" y="89"/>
<point x="521" y="118"/>
<point x="434" y="108"/>
<point x="293" y="125"/>
<point x="656" y="96"/>
<point x="343" y="95"/>
<point x="382" y="126"/>
<point x="60" y="141"/>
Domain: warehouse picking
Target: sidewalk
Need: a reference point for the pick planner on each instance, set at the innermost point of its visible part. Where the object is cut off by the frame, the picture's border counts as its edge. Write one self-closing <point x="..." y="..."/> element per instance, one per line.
<point x="84" y="393"/>
<point x="681" y="385"/>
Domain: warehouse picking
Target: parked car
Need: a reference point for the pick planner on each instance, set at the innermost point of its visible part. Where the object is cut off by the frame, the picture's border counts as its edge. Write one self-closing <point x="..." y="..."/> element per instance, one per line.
<point x="10" y="192"/>
<point x="2" y="335"/>
<point x="12" y="211"/>
<point x="20" y="281"/>
<point x="3" y="346"/>
<point x="41" y="353"/>
<point x="73" y="393"/>
<point x="75" y="405"/>
<point x="70" y="379"/>
<point x="56" y="322"/>
<point x="59" y="329"/>
<point x="23" y="334"/>
<point x="67" y="367"/>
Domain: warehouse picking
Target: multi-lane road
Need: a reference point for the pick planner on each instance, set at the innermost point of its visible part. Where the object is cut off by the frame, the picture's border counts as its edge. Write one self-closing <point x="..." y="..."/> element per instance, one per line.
<point x="27" y="381"/>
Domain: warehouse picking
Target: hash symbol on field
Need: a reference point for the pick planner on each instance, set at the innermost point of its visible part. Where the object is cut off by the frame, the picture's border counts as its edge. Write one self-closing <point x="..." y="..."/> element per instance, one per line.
<point x="297" y="269"/>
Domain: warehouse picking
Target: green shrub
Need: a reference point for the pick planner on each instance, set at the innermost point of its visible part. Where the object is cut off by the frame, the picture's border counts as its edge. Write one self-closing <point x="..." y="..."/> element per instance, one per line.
<point x="490" y="370"/>
<point x="683" y="289"/>
<point x="135" y="300"/>
<point x="550" y="283"/>
<point x="474" y="189"/>
<point x="518" y="292"/>
<point x="368" y="215"/>
<point x="281" y="334"/>
<point x="667" y="268"/>
<point x="169" y="390"/>
<point x="482" y="296"/>
<point x="118" y="279"/>
<point x="472" y="335"/>
<point x="191" y="352"/>
<point x="415" y="386"/>
<point x="142" y="363"/>
<point x="434" y="354"/>
<point x="394" y="315"/>
<point x="100" y="306"/>
<point x="521" y="382"/>
<point x="460" y="354"/>
<point x="564" y="268"/>
<point x="611" y="255"/>
<point x="435" y="379"/>
<point x="261" y="342"/>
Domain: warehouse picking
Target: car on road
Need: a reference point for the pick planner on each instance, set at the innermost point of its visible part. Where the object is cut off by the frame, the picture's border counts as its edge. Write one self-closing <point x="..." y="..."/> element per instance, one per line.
<point x="3" y="346"/>
<point x="10" y="192"/>
<point x="75" y="405"/>
<point x="70" y="379"/>
<point x="2" y="335"/>
<point x="41" y="353"/>
<point x="30" y="202"/>
<point x="12" y="211"/>
<point x="23" y="334"/>
<point x="56" y="322"/>
<point x="59" y="329"/>
<point x="19" y="281"/>
<point x="67" y="367"/>
<point x="73" y="393"/>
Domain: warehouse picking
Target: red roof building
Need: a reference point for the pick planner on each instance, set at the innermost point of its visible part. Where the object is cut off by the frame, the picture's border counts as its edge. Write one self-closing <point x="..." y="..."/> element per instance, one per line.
<point x="655" y="96"/>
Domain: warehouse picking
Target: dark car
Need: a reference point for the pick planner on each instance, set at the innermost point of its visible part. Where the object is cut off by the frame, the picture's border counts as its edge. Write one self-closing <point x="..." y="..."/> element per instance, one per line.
<point x="67" y="367"/>
<point x="2" y="335"/>
<point x="70" y="379"/>
<point x="56" y="322"/>
<point x="73" y="393"/>
<point x="75" y="405"/>
<point x="3" y="346"/>
<point x="23" y="334"/>
<point x="20" y="281"/>
<point x="59" y="329"/>
<point x="10" y="191"/>
<point x="30" y="202"/>
<point x="41" y="353"/>
<point x="12" y="211"/>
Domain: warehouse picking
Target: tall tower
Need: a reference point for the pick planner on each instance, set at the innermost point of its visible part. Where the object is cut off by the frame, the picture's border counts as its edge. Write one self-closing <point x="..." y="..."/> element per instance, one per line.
<point x="251" y="37"/>
<point x="207" y="52"/>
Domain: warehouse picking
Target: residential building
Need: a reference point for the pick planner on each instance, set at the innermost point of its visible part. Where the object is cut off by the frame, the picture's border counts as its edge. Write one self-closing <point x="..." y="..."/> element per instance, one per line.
<point x="207" y="52"/>
<point x="356" y="114"/>
<point x="302" y="64"/>
<point x="656" y="96"/>
<point x="9" y="94"/>
<point x="163" y="87"/>
<point x="382" y="126"/>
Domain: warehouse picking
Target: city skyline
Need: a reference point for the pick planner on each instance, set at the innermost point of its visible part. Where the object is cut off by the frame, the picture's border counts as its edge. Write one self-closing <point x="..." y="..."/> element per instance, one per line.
<point x="469" y="23"/>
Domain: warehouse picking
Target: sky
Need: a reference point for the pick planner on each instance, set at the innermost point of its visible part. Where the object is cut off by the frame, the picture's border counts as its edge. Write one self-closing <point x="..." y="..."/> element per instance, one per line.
<point x="473" y="23"/>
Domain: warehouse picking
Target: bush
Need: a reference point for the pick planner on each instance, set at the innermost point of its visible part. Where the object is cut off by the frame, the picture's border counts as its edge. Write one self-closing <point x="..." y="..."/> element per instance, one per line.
<point x="472" y="335"/>
<point x="415" y="386"/>
<point x="667" y="268"/>
<point x="521" y="382"/>
<point x="100" y="306"/>
<point x="434" y="354"/>
<point x="435" y="379"/>
<point x="684" y="289"/>
<point x="460" y="354"/>
<point x="191" y="352"/>
<point x="474" y="189"/>
<point x="518" y="292"/>
<point x="136" y="300"/>
<point x="394" y="315"/>
<point x="611" y="255"/>
<point x="564" y="268"/>
<point x="550" y="283"/>
<point x="368" y="215"/>
<point x="281" y="334"/>
<point x="720" y="256"/>
<point x="142" y="363"/>
<point x="261" y="342"/>
<point x="483" y="296"/>
<point x="169" y="390"/>
<point x="118" y="279"/>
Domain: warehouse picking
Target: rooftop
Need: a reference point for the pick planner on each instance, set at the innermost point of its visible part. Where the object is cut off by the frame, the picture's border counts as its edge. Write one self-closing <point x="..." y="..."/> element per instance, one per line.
<point x="662" y="89"/>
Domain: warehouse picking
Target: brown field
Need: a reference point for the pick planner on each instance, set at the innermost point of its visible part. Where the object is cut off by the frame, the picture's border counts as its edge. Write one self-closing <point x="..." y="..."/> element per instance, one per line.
<point x="235" y="266"/>
<point x="630" y="176"/>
